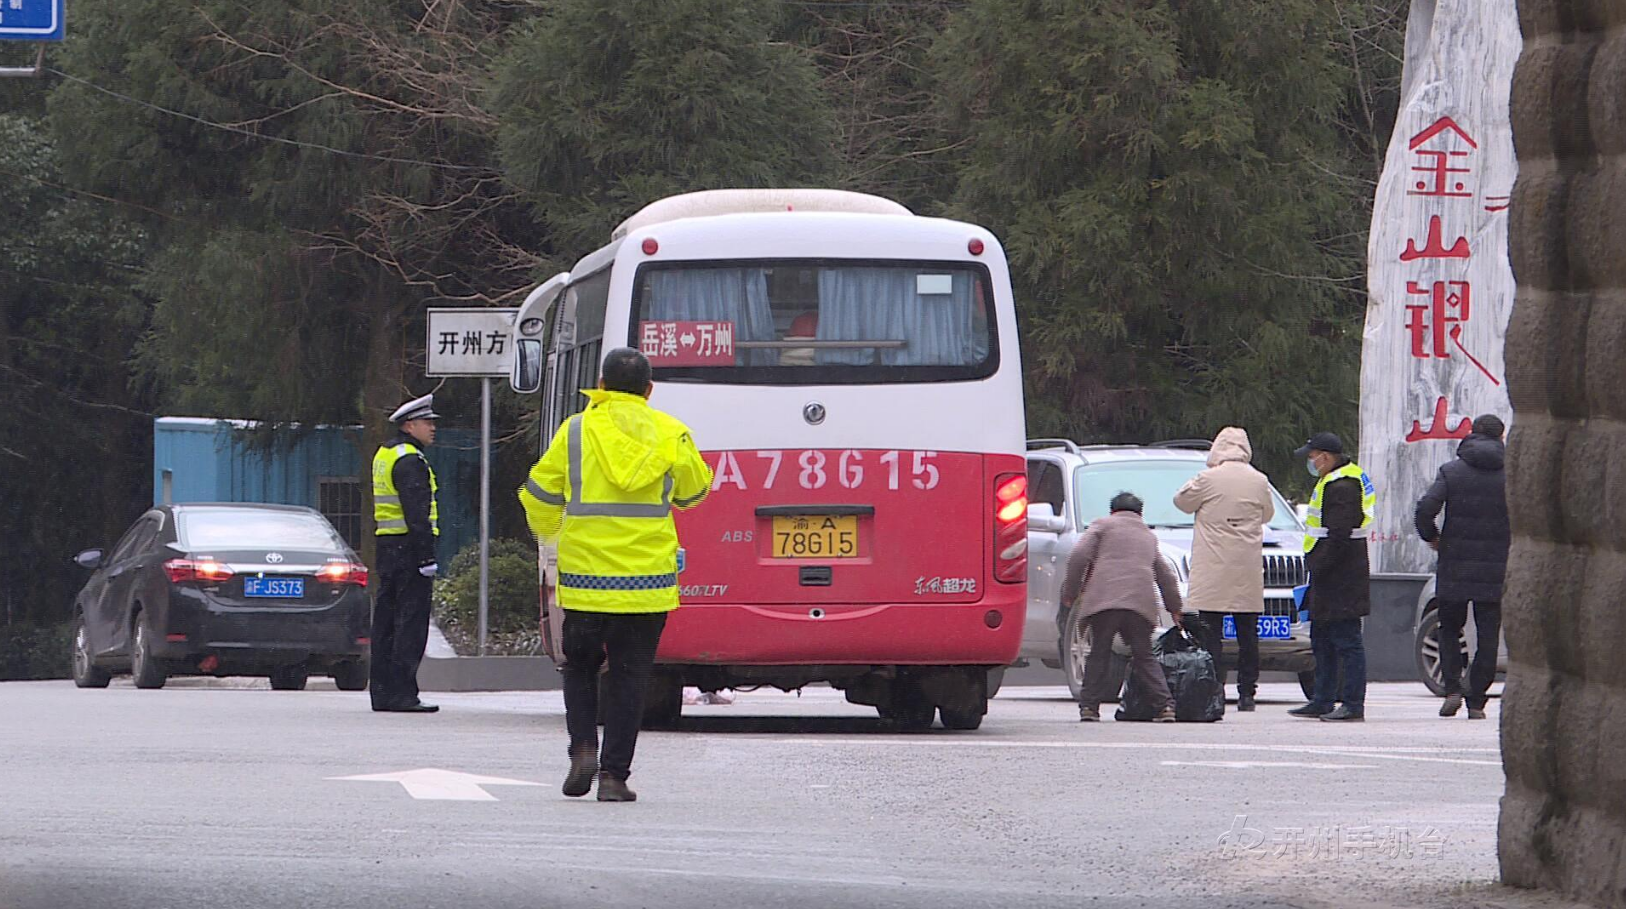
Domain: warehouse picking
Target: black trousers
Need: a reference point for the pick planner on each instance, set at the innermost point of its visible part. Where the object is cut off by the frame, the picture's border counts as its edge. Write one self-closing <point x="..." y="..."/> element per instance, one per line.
<point x="1488" y="627"/>
<point x="1247" y="647"/>
<point x="1136" y="630"/>
<point x="629" y="643"/>
<point x="400" y="631"/>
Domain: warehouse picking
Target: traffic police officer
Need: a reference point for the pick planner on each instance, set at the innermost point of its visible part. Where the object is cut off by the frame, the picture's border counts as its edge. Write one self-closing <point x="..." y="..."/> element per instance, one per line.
<point x="407" y="516"/>
<point x="603" y="493"/>
<point x="1340" y="594"/>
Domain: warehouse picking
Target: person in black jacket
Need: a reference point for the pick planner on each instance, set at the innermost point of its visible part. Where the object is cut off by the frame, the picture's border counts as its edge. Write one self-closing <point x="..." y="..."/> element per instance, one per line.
<point x="1340" y="577"/>
<point x="1473" y="558"/>
<point x="407" y="521"/>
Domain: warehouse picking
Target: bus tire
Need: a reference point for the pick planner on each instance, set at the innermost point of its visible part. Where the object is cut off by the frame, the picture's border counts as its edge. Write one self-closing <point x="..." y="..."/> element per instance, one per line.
<point x="966" y="720"/>
<point x="908" y="710"/>
<point x="663" y="702"/>
<point x="996" y="678"/>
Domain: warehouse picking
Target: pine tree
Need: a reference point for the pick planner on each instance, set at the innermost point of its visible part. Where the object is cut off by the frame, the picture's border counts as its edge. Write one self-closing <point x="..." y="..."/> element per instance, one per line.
<point x="608" y="106"/>
<point x="1173" y="193"/>
<point x="74" y="430"/>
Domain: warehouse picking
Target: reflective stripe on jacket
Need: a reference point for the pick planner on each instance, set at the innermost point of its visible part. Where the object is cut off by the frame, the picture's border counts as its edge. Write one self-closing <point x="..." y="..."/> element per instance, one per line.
<point x="387" y="511"/>
<point x="1369" y="504"/>
<point x="604" y="492"/>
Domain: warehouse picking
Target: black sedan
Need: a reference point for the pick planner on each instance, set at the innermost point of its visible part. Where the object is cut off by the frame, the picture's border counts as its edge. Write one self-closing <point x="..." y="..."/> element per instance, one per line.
<point x="267" y="590"/>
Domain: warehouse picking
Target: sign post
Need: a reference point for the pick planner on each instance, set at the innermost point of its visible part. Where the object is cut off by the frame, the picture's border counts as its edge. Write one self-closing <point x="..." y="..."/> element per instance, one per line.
<point x="474" y="343"/>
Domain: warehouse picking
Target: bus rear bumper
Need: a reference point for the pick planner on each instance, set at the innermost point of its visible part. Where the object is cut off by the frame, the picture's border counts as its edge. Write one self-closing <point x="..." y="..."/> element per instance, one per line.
<point x="986" y="633"/>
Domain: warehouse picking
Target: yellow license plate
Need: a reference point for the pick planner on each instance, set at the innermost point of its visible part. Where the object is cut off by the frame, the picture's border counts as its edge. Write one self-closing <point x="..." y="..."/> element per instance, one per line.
<point x="816" y="537"/>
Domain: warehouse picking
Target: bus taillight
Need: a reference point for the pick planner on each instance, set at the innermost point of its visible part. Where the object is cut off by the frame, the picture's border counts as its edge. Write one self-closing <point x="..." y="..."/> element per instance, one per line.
<point x="1011" y="528"/>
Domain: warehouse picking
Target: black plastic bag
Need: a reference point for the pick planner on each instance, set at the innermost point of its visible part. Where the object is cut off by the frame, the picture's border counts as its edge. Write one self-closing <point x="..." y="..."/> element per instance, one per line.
<point x="1193" y="682"/>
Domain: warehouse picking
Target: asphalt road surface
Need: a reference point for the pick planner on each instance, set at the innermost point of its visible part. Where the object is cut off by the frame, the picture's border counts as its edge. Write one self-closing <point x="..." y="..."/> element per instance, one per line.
<point x="234" y="797"/>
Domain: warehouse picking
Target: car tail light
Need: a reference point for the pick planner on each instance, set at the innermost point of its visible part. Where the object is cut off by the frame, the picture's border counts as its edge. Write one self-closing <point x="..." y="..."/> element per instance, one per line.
<point x="343" y="573"/>
<point x="1011" y="528"/>
<point x="196" y="571"/>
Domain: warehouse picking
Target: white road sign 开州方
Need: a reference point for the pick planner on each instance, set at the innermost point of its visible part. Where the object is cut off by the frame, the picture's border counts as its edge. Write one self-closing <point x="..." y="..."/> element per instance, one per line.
<point x="469" y="342"/>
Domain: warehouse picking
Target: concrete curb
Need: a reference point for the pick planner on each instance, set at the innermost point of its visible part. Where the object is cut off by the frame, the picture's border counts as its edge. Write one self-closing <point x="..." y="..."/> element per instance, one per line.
<point x="489" y="673"/>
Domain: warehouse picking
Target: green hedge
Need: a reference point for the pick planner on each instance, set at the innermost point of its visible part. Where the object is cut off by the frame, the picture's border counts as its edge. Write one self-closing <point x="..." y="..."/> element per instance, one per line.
<point x="36" y="652"/>
<point x="512" y="624"/>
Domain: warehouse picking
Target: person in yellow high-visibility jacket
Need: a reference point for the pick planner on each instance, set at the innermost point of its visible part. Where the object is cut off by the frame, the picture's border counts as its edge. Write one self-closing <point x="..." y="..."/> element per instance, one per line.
<point x="603" y="494"/>
<point x="408" y="527"/>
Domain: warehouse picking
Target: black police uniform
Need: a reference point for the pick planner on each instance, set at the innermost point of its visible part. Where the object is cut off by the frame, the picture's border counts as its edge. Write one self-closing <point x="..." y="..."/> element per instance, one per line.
<point x="401" y="607"/>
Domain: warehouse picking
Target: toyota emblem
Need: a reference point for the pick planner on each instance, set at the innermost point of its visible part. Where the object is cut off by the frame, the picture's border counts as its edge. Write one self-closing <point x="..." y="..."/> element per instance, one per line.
<point x="813" y="413"/>
<point x="273" y="557"/>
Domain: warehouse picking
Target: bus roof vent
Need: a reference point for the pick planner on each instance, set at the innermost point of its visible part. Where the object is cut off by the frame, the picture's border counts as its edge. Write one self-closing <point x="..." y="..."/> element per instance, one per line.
<point x="737" y="201"/>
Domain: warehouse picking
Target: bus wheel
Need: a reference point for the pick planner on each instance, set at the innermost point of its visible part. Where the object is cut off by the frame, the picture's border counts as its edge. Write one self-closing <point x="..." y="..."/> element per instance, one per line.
<point x="663" y="702"/>
<point x="961" y="719"/>
<point x="908" y="710"/>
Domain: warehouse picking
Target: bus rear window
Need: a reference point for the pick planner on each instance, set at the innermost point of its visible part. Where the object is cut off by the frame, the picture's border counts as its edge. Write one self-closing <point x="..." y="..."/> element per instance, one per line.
<point x="802" y="322"/>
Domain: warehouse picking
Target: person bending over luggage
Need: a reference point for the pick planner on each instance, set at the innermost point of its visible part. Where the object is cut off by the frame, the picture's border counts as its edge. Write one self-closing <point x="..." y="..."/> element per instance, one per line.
<point x="1113" y="577"/>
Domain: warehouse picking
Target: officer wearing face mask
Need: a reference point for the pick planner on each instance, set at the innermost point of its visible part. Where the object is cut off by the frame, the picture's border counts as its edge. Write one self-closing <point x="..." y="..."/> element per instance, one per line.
<point x="1339" y="596"/>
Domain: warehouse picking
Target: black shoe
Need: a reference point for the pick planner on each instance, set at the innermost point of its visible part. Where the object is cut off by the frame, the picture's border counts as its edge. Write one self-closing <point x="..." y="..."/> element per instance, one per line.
<point x="1089" y="714"/>
<point x="1343" y="715"/>
<point x="1244" y="703"/>
<point x="1310" y="711"/>
<point x="614" y="789"/>
<point x="1453" y="703"/>
<point x="583" y="767"/>
<point x="414" y="707"/>
<point x="1476" y="713"/>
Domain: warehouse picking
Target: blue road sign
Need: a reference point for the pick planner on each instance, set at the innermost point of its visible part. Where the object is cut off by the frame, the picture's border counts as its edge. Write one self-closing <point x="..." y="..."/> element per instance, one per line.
<point x="31" y="20"/>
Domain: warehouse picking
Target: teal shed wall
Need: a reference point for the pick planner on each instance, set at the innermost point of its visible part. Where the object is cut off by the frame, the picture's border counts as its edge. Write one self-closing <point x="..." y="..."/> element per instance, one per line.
<point x="212" y="460"/>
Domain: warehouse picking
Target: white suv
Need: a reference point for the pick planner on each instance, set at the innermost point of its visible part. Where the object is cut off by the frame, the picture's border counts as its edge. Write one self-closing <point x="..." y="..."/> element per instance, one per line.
<point x="1069" y="486"/>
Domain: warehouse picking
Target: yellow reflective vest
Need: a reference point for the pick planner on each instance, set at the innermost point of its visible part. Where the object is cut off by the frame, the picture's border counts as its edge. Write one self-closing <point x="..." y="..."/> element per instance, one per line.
<point x="604" y="493"/>
<point x="1369" y="504"/>
<point x="387" y="512"/>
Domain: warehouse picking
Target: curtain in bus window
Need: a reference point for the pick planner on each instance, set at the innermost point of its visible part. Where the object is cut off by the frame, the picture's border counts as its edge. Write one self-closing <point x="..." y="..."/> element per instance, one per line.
<point x="885" y="304"/>
<point x="738" y="295"/>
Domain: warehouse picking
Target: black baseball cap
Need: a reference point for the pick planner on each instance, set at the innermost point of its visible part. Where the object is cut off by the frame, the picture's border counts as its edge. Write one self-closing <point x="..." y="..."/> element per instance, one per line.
<point x="1321" y="441"/>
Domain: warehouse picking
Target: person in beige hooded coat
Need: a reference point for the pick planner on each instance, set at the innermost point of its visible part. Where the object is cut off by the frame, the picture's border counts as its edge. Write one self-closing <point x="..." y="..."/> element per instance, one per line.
<point x="1232" y="505"/>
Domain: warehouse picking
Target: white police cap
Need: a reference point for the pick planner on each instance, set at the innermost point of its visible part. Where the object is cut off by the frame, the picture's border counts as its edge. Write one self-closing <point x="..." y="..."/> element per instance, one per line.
<point x="416" y="409"/>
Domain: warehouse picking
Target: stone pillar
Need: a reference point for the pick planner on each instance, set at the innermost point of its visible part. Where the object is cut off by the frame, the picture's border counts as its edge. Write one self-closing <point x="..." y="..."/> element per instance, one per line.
<point x="1563" y="823"/>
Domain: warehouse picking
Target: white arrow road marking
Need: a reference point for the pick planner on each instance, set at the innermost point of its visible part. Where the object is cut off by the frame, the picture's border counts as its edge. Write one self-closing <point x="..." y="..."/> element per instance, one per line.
<point x="1249" y="765"/>
<point x="440" y="785"/>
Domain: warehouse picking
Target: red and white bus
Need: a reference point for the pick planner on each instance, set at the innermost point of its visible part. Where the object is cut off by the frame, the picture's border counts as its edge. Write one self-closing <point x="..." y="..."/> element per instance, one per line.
<point x="851" y="373"/>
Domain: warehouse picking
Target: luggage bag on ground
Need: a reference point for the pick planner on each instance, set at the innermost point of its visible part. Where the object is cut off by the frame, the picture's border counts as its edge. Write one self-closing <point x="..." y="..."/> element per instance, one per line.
<point x="1193" y="682"/>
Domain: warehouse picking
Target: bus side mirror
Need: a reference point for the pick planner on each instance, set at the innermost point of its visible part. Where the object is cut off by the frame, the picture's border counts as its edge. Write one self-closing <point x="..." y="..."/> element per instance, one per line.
<point x="527" y="377"/>
<point x="530" y="332"/>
